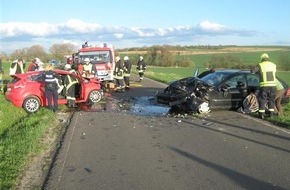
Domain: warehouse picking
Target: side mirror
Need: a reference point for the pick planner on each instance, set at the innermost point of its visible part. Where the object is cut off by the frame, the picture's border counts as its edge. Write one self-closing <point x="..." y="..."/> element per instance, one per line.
<point x="224" y="88"/>
<point x="241" y="84"/>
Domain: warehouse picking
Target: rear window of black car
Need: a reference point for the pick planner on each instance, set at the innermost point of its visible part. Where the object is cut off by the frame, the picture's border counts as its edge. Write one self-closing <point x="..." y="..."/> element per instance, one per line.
<point x="215" y="78"/>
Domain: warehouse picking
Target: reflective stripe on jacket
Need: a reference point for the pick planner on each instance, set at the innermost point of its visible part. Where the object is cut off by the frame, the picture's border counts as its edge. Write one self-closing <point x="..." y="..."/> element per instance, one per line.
<point x="267" y="71"/>
<point x="70" y="82"/>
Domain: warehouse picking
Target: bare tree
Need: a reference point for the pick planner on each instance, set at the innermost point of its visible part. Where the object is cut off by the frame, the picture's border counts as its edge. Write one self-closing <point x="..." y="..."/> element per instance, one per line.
<point x="167" y="58"/>
<point x="19" y="53"/>
<point x="36" y="51"/>
<point x="152" y="55"/>
<point x="58" y="51"/>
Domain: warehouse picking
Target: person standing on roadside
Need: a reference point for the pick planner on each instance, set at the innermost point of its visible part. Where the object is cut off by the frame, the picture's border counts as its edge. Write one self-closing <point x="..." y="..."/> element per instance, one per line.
<point x="87" y="68"/>
<point x="267" y="91"/>
<point x="118" y="75"/>
<point x="278" y="97"/>
<point x="127" y="71"/>
<point x="33" y="66"/>
<point x="70" y="83"/>
<point x="50" y="77"/>
<point x="17" y="67"/>
<point x="141" y="67"/>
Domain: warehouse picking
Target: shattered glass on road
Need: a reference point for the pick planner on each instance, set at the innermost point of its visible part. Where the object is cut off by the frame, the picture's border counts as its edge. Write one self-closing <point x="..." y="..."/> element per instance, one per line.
<point x="145" y="106"/>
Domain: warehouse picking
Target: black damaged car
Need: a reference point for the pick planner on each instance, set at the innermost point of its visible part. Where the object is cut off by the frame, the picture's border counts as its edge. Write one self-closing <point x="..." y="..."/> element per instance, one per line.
<point x="221" y="89"/>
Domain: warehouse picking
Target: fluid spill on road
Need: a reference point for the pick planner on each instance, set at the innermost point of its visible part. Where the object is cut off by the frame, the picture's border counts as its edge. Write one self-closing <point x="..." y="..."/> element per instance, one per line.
<point x="146" y="106"/>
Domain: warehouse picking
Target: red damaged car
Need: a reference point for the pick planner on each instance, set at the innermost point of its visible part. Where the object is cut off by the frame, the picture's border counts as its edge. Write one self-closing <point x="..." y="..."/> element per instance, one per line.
<point x="27" y="90"/>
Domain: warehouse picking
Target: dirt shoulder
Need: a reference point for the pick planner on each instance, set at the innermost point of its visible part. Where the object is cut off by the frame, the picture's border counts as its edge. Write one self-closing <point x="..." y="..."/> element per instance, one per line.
<point x="36" y="171"/>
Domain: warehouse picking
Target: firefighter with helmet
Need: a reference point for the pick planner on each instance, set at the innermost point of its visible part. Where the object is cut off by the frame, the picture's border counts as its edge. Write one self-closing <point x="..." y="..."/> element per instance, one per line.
<point x="87" y="68"/>
<point x="33" y="66"/>
<point x="127" y="71"/>
<point x="267" y="91"/>
<point x="70" y="83"/>
<point x="118" y="75"/>
<point x="141" y="67"/>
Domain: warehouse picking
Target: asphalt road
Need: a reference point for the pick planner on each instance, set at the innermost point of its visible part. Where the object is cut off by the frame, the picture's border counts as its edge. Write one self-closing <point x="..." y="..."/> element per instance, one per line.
<point x="118" y="150"/>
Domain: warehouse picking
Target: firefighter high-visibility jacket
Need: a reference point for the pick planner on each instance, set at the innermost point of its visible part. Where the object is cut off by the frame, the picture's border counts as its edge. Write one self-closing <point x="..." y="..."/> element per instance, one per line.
<point x="87" y="70"/>
<point x="267" y="72"/>
<point x="119" y="70"/>
<point x="69" y="83"/>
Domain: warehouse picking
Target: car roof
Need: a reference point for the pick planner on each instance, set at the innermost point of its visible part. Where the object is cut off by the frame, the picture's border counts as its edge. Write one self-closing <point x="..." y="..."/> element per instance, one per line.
<point x="233" y="71"/>
<point x="37" y="72"/>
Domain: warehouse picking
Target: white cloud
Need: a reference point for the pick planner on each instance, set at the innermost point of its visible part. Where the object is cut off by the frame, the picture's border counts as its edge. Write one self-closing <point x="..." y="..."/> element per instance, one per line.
<point x="81" y="27"/>
<point x="75" y="31"/>
<point x="15" y="29"/>
<point x="119" y="36"/>
<point x="211" y="27"/>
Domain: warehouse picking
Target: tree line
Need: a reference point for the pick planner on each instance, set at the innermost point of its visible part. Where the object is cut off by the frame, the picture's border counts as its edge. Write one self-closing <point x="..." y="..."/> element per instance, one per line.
<point x="156" y="55"/>
<point x="56" y="51"/>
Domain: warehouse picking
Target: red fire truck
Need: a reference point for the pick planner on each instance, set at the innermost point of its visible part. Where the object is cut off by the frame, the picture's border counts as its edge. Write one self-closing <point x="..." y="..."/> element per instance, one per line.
<point x="103" y="59"/>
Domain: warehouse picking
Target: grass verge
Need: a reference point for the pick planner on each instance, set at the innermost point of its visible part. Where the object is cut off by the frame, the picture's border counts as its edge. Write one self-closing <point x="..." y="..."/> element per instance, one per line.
<point x="22" y="136"/>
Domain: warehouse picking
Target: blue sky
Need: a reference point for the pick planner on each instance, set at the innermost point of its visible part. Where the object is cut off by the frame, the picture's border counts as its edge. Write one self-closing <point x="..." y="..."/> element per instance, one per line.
<point x="138" y="23"/>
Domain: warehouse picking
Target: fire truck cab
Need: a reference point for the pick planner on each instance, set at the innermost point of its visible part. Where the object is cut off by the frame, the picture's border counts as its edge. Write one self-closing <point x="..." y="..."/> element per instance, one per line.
<point x="103" y="59"/>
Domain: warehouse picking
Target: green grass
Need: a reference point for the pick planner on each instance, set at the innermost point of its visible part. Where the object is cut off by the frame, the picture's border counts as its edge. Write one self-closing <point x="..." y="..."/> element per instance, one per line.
<point x="167" y="74"/>
<point x="283" y="121"/>
<point x="21" y="137"/>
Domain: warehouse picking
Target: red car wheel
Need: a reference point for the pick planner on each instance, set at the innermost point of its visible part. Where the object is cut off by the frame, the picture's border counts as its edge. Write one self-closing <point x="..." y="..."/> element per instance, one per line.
<point x="95" y="96"/>
<point x="31" y="104"/>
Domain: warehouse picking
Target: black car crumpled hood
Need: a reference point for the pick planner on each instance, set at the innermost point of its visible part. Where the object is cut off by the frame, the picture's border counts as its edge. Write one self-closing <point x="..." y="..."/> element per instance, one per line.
<point x="186" y="85"/>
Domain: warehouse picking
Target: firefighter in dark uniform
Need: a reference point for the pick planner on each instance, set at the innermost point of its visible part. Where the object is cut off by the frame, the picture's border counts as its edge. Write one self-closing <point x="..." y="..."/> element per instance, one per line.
<point x="17" y="67"/>
<point x="127" y="71"/>
<point x="267" y="91"/>
<point x="119" y="75"/>
<point x="50" y="77"/>
<point x="141" y="67"/>
<point x="34" y="65"/>
<point x="70" y="86"/>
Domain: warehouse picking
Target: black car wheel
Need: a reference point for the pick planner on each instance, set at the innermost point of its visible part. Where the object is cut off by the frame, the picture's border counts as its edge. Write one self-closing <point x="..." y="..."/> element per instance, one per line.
<point x="31" y="104"/>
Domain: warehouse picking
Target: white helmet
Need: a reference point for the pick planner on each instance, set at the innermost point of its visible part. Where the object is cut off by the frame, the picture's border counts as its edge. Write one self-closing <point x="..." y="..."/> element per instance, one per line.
<point x="67" y="66"/>
<point x="117" y="58"/>
<point x="37" y="60"/>
<point x="87" y="60"/>
<point x="126" y="58"/>
<point x="141" y="58"/>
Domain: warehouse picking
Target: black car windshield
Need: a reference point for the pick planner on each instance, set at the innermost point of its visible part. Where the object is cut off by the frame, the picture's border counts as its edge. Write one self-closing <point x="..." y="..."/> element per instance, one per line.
<point x="215" y="78"/>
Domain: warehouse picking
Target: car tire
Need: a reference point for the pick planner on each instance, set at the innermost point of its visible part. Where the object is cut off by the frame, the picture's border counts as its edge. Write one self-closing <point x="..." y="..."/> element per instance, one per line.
<point x="31" y="104"/>
<point x="95" y="96"/>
